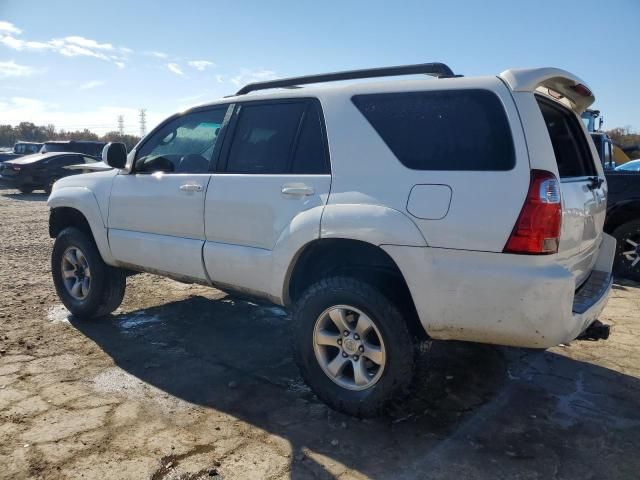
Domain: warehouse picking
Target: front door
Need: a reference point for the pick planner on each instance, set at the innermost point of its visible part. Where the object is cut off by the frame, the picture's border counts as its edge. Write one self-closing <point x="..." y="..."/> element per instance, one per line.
<point x="156" y="212"/>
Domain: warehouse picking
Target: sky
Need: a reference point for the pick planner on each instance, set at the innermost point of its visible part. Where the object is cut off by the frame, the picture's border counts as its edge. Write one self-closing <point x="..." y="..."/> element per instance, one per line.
<point x="81" y="64"/>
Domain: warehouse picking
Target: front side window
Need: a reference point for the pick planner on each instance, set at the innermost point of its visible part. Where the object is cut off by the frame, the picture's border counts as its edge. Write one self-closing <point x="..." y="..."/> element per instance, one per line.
<point x="183" y="145"/>
<point x="442" y="130"/>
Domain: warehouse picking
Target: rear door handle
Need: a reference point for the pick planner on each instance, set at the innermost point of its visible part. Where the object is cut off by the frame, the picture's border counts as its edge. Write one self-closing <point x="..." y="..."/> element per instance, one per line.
<point x="191" y="187"/>
<point x="291" y="189"/>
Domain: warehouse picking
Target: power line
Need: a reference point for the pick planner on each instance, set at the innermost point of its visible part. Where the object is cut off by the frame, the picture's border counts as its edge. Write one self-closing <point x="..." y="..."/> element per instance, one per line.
<point x="143" y="122"/>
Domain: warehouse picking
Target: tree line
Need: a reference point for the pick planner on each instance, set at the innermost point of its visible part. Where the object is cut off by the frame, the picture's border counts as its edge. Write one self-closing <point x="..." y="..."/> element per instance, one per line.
<point x="30" y="132"/>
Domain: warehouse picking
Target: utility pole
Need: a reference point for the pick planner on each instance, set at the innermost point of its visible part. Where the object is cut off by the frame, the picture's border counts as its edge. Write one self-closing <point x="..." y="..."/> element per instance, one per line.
<point x="143" y="122"/>
<point x="121" y="125"/>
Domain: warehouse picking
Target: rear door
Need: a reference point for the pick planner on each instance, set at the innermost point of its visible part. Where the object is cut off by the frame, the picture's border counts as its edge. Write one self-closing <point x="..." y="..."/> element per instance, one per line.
<point x="582" y="185"/>
<point x="274" y="167"/>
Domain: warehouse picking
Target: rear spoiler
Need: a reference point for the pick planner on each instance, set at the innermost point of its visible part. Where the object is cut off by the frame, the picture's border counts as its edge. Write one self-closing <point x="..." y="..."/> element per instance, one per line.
<point x="554" y="82"/>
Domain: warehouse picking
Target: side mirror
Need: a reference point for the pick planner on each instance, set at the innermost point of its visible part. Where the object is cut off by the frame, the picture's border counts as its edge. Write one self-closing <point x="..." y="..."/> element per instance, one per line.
<point x="115" y="155"/>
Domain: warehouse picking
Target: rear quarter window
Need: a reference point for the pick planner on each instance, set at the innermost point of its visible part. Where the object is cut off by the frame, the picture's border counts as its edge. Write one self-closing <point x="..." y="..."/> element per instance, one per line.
<point x="442" y="130"/>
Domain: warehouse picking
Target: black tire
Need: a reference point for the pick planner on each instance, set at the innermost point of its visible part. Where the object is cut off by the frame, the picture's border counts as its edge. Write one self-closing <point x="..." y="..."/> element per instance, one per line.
<point x="25" y="189"/>
<point x="49" y="186"/>
<point x="623" y="265"/>
<point x="401" y="351"/>
<point x="107" y="283"/>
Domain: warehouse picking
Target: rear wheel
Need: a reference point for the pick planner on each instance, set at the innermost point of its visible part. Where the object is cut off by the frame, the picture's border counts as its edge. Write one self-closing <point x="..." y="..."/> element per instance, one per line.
<point x="25" y="189"/>
<point x="86" y="285"/>
<point x="627" y="259"/>
<point x="352" y="346"/>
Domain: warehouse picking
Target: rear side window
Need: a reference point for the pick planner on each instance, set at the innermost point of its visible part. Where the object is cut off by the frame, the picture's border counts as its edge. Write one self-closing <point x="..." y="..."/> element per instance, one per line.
<point x="569" y="143"/>
<point x="443" y="130"/>
<point x="278" y="138"/>
<point x="310" y="156"/>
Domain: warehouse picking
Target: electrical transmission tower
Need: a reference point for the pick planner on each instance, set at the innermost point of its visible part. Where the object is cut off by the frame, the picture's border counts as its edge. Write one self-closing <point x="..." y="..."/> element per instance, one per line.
<point x="143" y="122"/>
<point x="121" y="125"/>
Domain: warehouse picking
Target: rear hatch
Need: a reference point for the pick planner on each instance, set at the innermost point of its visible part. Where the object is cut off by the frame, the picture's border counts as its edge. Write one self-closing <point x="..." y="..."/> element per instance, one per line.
<point x="582" y="187"/>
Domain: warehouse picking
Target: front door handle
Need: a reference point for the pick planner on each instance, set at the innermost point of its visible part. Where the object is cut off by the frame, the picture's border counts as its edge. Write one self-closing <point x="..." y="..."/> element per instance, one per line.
<point x="297" y="189"/>
<point x="191" y="187"/>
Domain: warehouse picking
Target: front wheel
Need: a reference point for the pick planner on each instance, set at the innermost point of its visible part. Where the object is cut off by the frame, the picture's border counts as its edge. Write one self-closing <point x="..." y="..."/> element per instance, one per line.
<point x="86" y="285"/>
<point x="627" y="259"/>
<point x="352" y="346"/>
<point x="25" y="189"/>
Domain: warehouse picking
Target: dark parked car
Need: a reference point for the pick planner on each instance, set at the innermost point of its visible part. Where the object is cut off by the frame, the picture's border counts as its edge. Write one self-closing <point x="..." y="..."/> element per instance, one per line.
<point x="79" y="146"/>
<point x="40" y="170"/>
<point x="20" y="149"/>
<point x="623" y="219"/>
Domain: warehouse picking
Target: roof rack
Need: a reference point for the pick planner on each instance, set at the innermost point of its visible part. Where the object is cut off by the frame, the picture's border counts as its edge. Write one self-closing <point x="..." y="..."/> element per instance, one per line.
<point x="436" y="69"/>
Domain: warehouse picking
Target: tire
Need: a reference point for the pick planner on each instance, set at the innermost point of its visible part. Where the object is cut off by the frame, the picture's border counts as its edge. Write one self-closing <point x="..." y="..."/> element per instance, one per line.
<point x="49" y="186"/>
<point x="106" y="286"/>
<point x="400" y="352"/>
<point x="25" y="189"/>
<point x="623" y="265"/>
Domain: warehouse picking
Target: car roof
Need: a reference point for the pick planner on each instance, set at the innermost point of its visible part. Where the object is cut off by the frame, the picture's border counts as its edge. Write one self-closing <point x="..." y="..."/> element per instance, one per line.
<point x="36" y="157"/>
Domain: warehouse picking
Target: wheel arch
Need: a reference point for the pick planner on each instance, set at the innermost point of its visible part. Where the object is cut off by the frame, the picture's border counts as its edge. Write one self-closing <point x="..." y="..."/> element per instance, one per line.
<point x="78" y="207"/>
<point x="622" y="213"/>
<point x="354" y="258"/>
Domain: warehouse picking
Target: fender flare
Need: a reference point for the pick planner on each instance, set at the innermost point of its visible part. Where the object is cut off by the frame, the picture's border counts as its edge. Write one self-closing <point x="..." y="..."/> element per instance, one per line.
<point x="83" y="200"/>
<point x="372" y="224"/>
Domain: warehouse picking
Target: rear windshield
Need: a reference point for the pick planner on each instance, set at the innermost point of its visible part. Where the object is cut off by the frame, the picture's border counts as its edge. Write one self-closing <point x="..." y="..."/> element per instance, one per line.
<point x="443" y="130"/>
<point x="569" y="142"/>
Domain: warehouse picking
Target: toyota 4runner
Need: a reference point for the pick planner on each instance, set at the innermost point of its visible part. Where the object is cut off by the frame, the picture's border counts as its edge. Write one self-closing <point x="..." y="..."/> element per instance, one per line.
<point x="381" y="213"/>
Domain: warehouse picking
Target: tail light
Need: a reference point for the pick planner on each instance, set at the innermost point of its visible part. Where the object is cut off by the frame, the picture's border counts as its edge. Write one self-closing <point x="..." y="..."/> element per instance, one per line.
<point x="15" y="167"/>
<point x="537" y="231"/>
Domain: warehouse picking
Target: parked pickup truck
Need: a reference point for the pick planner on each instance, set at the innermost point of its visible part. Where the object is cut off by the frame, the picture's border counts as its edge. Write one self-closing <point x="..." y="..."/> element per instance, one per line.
<point x="20" y="149"/>
<point x="381" y="213"/>
<point x="623" y="220"/>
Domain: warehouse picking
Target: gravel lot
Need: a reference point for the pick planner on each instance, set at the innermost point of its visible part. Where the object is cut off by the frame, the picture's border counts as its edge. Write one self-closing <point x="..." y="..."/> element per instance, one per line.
<point x="187" y="382"/>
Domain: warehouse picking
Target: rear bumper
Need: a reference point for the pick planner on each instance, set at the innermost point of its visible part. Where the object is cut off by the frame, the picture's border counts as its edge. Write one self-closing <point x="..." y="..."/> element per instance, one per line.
<point x="12" y="182"/>
<point x="500" y="298"/>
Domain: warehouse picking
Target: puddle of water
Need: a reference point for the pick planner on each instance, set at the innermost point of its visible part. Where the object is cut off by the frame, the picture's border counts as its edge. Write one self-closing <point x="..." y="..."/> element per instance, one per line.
<point x="58" y="314"/>
<point x="135" y="320"/>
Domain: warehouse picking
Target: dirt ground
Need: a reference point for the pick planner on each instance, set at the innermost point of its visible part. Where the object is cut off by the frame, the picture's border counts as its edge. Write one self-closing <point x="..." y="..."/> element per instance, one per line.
<point x="187" y="382"/>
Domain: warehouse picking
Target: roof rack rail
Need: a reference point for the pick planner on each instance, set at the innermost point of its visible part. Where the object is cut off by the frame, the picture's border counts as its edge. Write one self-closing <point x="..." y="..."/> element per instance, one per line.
<point x="436" y="69"/>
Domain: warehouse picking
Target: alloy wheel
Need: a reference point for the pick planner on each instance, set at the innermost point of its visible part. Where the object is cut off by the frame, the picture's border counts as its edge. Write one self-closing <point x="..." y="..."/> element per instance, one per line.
<point x="76" y="274"/>
<point x="349" y="347"/>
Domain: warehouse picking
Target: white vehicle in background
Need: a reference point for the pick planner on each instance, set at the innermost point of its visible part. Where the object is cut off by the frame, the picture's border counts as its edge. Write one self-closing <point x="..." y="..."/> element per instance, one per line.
<point x="462" y="208"/>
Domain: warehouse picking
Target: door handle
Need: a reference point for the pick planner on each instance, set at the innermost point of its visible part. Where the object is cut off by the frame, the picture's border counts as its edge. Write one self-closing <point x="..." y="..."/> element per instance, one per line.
<point x="191" y="187"/>
<point x="297" y="190"/>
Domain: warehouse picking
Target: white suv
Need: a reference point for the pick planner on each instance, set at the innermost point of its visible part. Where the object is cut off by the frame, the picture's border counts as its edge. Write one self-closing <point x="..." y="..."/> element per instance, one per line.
<point x="464" y="208"/>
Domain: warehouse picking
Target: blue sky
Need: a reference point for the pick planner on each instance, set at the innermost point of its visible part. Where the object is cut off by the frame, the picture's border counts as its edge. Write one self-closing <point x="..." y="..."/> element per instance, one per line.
<point x="77" y="64"/>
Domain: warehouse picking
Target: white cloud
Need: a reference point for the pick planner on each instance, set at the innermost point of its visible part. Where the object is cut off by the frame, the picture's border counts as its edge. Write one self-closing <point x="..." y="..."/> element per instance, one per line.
<point x="201" y="64"/>
<point x="70" y="46"/>
<point x="91" y="84"/>
<point x="12" y="69"/>
<point x="126" y="50"/>
<point x="175" y="68"/>
<point x="250" y="76"/>
<point x="158" y="54"/>
<point x="88" y="43"/>
<point x="9" y="27"/>
<point x="120" y="65"/>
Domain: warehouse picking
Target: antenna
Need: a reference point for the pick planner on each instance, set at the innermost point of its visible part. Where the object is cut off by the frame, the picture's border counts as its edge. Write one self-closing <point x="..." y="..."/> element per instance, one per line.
<point x="143" y="122"/>
<point x="121" y="125"/>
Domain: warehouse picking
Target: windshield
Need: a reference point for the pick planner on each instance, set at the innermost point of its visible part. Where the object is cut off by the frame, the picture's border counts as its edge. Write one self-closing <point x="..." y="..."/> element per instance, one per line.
<point x="55" y="147"/>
